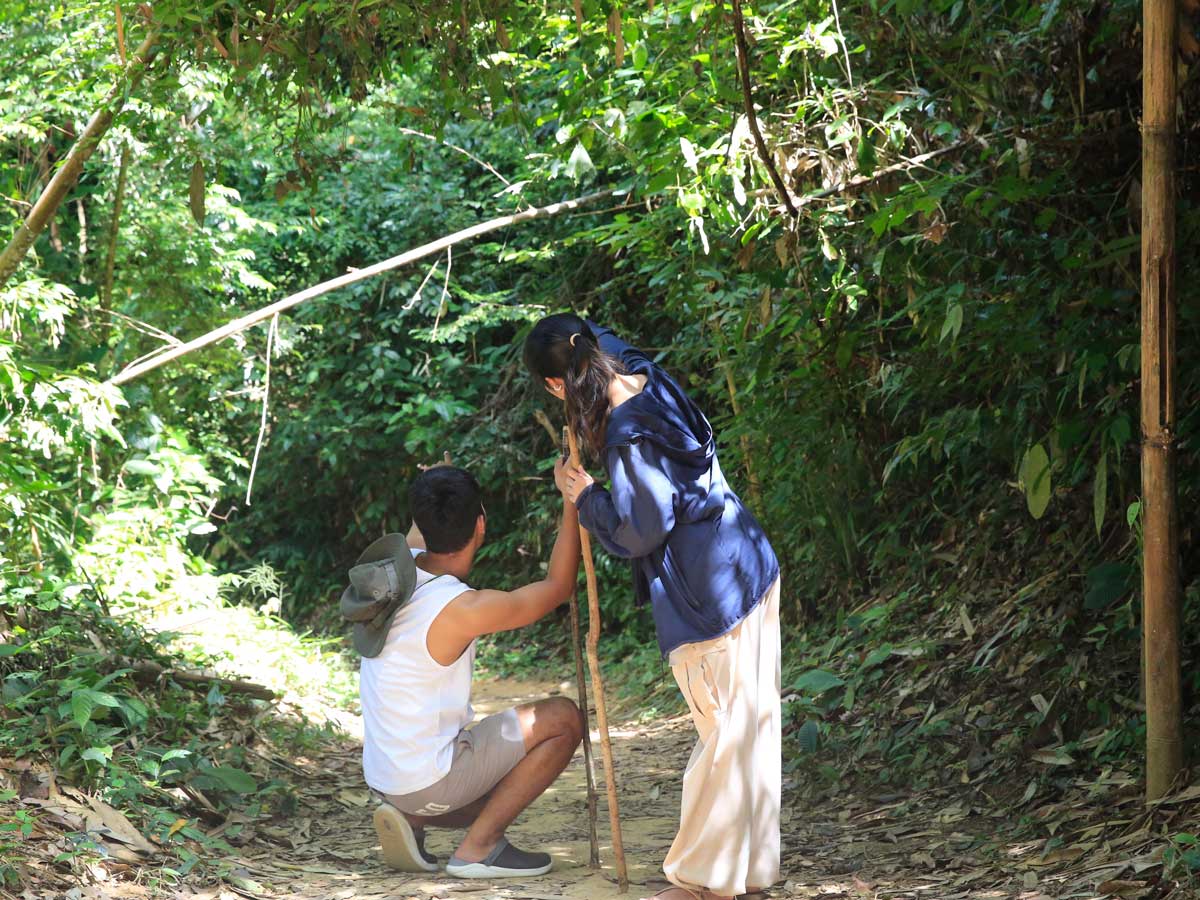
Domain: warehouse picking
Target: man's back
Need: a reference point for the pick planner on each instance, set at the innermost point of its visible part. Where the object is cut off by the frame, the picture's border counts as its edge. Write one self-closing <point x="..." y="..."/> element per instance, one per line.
<point x="414" y="707"/>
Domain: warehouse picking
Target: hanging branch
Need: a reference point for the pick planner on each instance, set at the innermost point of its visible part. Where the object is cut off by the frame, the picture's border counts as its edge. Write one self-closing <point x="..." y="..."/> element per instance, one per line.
<point x="743" y="61"/>
<point x="272" y="333"/>
<point x="352" y="277"/>
<point x="64" y="179"/>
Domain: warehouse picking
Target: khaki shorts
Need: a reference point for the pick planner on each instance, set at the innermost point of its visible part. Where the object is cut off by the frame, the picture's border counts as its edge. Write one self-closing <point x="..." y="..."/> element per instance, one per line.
<point x="483" y="754"/>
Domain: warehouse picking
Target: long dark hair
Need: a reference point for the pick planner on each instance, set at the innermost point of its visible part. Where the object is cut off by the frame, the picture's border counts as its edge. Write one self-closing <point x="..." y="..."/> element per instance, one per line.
<point x="563" y="346"/>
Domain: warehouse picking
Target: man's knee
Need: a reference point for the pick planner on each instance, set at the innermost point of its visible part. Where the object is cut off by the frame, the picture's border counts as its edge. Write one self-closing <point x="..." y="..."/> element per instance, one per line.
<point x="565" y="718"/>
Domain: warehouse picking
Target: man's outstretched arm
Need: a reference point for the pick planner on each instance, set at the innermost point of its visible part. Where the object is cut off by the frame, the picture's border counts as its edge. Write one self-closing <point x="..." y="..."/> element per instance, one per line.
<point x="486" y="612"/>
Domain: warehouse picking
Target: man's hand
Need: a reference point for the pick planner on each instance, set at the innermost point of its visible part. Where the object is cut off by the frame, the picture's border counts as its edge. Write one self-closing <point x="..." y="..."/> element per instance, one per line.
<point x="576" y="482"/>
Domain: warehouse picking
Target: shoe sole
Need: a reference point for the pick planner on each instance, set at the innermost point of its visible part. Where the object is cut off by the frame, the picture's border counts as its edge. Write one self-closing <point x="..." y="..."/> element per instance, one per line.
<point x="399" y="844"/>
<point x="479" y="870"/>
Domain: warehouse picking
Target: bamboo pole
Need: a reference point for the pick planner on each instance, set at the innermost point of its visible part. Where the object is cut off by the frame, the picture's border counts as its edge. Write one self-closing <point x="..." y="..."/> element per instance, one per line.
<point x="593" y="647"/>
<point x="1160" y="551"/>
<point x="56" y="190"/>
<point x="352" y="277"/>
<point x="577" y="645"/>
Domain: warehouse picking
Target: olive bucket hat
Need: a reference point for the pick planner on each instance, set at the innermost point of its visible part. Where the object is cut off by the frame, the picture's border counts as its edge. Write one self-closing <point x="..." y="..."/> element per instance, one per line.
<point x="381" y="582"/>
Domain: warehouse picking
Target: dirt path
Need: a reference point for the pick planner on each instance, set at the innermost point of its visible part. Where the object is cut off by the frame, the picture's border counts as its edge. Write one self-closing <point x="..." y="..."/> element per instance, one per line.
<point x="938" y="845"/>
<point x="330" y="850"/>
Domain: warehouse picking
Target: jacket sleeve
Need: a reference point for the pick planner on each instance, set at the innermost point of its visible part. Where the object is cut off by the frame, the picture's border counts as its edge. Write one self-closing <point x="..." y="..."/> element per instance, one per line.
<point x="614" y="346"/>
<point x="635" y="516"/>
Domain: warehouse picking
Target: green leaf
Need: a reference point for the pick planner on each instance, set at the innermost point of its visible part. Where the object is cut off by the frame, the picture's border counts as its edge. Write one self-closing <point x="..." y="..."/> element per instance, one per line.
<point x="1132" y="512"/>
<point x="83" y="704"/>
<point x="1034" y="476"/>
<point x="876" y="656"/>
<point x="134" y="711"/>
<point x="101" y="755"/>
<point x="640" y="56"/>
<point x="237" y="780"/>
<point x="10" y="649"/>
<point x="817" y="681"/>
<point x="580" y="166"/>
<point x="953" y="324"/>
<point x="1100" y="492"/>
<point x="142" y="467"/>
<point x="809" y="736"/>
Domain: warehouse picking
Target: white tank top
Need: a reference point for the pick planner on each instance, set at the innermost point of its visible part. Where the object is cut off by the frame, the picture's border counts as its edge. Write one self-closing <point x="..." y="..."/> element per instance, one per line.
<point x="414" y="707"/>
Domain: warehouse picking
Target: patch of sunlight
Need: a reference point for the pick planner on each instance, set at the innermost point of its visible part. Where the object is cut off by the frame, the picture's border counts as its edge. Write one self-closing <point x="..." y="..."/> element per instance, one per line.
<point x="155" y="582"/>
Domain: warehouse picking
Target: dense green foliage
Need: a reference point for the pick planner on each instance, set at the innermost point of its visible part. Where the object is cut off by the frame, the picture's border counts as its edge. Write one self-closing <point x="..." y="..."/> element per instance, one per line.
<point x="925" y="381"/>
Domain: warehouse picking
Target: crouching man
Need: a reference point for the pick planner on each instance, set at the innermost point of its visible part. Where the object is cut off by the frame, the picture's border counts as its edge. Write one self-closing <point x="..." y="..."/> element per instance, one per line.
<point x="416" y="623"/>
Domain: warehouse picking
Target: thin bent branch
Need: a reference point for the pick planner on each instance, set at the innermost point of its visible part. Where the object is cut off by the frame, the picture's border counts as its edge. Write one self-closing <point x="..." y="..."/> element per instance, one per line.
<point x="743" y="60"/>
<point x="352" y="277"/>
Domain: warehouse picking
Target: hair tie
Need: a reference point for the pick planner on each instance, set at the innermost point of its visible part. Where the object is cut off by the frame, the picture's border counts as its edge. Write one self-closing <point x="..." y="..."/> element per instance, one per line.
<point x="575" y="335"/>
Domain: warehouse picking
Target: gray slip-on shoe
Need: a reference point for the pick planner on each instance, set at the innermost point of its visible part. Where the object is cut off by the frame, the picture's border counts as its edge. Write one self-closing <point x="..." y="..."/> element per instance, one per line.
<point x="505" y="861"/>
<point x="403" y="848"/>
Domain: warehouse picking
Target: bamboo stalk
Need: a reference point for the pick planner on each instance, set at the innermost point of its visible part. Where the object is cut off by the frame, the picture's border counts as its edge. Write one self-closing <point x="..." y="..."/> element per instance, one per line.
<point x="581" y="685"/>
<point x="1160" y="552"/>
<point x="352" y="277"/>
<point x="593" y="655"/>
<point x="56" y="190"/>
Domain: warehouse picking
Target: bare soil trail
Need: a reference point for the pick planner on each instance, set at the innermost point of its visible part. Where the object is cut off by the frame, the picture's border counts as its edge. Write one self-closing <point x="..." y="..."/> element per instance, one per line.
<point x="940" y="845"/>
<point x="959" y="841"/>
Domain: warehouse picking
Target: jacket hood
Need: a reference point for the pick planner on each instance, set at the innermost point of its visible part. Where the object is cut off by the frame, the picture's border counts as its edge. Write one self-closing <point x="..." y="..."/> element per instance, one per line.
<point x="664" y="415"/>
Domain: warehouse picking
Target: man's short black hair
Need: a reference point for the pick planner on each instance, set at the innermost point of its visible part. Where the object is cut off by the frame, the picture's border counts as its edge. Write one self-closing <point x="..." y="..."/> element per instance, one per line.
<point x="445" y="503"/>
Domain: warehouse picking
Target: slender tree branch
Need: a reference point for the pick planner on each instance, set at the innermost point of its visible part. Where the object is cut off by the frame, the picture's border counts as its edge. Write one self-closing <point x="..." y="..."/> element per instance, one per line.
<point x="467" y="153"/>
<point x="443" y="243"/>
<point x="743" y="60"/>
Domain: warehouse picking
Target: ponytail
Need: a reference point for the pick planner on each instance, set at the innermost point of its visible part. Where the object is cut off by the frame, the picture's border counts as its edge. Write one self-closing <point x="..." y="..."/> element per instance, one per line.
<point x="564" y="346"/>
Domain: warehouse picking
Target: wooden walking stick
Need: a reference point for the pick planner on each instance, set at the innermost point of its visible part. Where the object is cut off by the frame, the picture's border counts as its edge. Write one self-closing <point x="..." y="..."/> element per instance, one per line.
<point x="593" y="646"/>
<point x="581" y="681"/>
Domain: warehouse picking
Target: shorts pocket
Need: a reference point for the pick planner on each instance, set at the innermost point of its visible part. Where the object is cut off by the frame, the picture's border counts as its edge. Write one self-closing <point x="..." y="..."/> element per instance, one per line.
<point x="700" y="678"/>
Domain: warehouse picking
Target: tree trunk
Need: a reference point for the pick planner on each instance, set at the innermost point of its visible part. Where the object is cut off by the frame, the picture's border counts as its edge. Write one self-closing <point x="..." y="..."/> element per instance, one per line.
<point x="64" y="179"/>
<point x="1160" y="560"/>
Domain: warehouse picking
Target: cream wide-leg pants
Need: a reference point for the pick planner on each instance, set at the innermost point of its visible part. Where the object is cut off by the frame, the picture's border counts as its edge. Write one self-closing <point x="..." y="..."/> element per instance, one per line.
<point x="728" y="837"/>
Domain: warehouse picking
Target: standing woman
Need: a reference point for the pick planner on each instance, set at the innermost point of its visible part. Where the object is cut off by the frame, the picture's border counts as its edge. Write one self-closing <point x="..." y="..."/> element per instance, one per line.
<point x="704" y="564"/>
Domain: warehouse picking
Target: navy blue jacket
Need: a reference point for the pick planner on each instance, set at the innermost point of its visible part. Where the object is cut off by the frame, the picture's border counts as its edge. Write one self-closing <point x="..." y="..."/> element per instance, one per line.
<point x="698" y="555"/>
